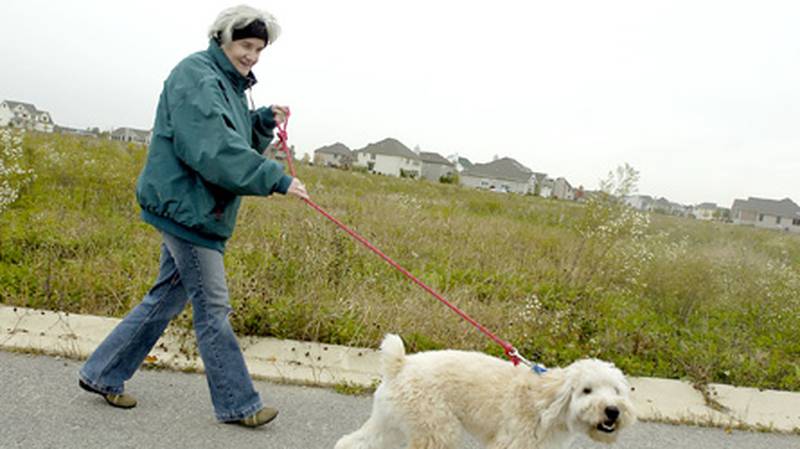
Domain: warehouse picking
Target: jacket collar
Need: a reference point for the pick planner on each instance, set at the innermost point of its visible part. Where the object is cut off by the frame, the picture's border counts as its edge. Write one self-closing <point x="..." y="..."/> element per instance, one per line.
<point x="221" y="60"/>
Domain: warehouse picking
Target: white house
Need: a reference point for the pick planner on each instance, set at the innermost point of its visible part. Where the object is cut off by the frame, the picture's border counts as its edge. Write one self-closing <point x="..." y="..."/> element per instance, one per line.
<point x="765" y="213"/>
<point x="16" y="114"/>
<point x="639" y="202"/>
<point x="705" y="211"/>
<point x="336" y="155"/>
<point x="131" y="135"/>
<point x="563" y="190"/>
<point x="389" y="157"/>
<point x="503" y="175"/>
<point x="435" y="166"/>
<point x="546" y="187"/>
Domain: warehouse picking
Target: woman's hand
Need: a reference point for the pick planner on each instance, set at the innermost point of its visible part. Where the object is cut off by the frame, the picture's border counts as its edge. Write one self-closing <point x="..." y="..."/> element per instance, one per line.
<point x="297" y="189"/>
<point x="280" y="113"/>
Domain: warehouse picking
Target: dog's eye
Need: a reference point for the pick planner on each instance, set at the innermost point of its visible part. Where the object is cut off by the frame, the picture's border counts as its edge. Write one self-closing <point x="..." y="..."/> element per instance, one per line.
<point x="587" y="390"/>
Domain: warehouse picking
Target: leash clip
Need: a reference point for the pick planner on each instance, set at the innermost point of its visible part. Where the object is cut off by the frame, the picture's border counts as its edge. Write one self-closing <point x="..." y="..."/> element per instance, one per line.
<point x="516" y="358"/>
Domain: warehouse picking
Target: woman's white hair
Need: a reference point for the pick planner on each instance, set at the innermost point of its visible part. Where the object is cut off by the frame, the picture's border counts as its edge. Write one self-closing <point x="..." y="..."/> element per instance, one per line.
<point x="239" y="17"/>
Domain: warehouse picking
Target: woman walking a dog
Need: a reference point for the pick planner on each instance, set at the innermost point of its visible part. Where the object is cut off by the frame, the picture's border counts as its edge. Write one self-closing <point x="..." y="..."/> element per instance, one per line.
<point x="204" y="155"/>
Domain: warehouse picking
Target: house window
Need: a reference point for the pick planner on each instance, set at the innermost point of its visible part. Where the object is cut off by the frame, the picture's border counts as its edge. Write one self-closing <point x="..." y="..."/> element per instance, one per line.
<point x="372" y="156"/>
<point x="760" y="217"/>
<point x="778" y="220"/>
<point x="796" y="222"/>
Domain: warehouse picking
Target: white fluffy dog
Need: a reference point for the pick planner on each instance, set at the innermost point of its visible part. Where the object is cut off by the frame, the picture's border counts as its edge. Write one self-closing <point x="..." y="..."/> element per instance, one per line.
<point x="426" y="399"/>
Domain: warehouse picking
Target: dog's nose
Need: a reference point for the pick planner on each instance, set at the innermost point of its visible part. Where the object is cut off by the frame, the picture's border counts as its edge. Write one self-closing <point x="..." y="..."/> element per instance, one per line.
<point x="612" y="412"/>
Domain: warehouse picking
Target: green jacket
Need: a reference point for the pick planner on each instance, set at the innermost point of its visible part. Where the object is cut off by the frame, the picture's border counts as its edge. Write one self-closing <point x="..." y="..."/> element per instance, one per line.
<point x="206" y="151"/>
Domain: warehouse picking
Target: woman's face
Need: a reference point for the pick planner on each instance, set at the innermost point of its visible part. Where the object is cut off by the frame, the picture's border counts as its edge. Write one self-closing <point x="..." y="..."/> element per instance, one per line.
<point x="244" y="53"/>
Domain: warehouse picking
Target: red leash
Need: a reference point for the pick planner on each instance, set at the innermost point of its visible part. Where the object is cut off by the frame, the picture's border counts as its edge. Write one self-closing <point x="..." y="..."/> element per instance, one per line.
<point x="509" y="350"/>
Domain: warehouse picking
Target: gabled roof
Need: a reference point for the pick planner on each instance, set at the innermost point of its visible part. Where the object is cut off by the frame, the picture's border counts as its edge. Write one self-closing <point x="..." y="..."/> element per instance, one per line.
<point x="389" y="147"/>
<point x="782" y="208"/>
<point x="336" y="148"/>
<point x="506" y="168"/>
<point x="28" y="106"/>
<point x="434" y="158"/>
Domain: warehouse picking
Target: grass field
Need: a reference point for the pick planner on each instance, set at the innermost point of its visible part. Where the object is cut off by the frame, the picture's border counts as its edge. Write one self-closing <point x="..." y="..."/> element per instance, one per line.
<point x="659" y="296"/>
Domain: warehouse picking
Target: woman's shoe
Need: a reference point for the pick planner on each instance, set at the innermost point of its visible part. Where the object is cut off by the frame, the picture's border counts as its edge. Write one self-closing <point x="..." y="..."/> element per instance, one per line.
<point x="115" y="400"/>
<point x="259" y="418"/>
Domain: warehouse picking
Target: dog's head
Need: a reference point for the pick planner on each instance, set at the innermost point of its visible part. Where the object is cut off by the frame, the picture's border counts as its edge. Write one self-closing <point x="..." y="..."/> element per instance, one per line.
<point x="592" y="397"/>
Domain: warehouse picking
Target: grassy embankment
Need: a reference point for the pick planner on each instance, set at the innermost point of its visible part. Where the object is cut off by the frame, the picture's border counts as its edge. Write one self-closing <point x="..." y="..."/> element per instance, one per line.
<point x="659" y="296"/>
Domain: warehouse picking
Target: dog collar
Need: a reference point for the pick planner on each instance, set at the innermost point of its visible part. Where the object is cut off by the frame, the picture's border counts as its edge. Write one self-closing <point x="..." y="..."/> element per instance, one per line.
<point x="538" y="369"/>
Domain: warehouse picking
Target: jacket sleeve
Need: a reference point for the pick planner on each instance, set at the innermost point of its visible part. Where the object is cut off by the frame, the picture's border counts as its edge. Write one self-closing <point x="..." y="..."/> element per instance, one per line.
<point x="207" y="141"/>
<point x="263" y="128"/>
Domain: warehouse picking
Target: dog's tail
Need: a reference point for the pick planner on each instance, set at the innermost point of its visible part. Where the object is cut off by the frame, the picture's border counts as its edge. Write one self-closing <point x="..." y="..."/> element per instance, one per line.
<point x="393" y="355"/>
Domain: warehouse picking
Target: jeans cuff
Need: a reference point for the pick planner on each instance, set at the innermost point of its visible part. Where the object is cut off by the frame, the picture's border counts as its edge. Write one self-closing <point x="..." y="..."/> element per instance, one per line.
<point x="105" y="389"/>
<point x="244" y="413"/>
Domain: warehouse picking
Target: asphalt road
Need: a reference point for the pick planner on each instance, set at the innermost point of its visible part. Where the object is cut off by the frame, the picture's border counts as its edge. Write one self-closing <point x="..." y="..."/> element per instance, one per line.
<point x="41" y="406"/>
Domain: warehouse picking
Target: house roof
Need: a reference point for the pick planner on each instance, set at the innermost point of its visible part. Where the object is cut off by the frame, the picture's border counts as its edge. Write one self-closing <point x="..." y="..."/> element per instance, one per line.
<point x="139" y="132"/>
<point x="389" y="147"/>
<point x="28" y="106"/>
<point x="434" y="158"/>
<point x="662" y="202"/>
<point x="782" y="208"/>
<point x="336" y="148"/>
<point x="706" y="206"/>
<point x="564" y="180"/>
<point x="505" y="168"/>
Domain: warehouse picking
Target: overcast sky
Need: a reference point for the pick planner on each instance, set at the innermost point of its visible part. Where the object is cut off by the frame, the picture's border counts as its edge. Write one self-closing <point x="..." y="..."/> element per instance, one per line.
<point x="701" y="96"/>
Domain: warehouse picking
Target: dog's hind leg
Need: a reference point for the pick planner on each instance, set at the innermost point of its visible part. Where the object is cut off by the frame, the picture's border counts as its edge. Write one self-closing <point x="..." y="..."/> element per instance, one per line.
<point x="381" y="431"/>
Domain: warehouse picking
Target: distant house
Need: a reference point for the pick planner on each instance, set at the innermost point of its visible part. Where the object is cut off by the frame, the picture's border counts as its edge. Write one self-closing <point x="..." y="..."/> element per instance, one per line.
<point x="75" y="131"/>
<point x="336" y="155"/>
<point x="16" y="114"/>
<point x="683" y="211"/>
<point x="131" y="135"/>
<point x="765" y="213"/>
<point x="504" y="175"/>
<point x="661" y="205"/>
<point x="546" y="187"/>
<point x="639" y="202"/>
<point x="435" y="166"/>
<point x="705" y="211"/>
<point x="667" y="207"/>
<point x="389" y="157"/>
<point x="563" y="190"/>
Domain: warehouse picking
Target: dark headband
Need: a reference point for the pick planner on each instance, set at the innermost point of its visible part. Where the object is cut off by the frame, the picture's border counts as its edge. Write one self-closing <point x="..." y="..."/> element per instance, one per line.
<point x="256" y="28"/>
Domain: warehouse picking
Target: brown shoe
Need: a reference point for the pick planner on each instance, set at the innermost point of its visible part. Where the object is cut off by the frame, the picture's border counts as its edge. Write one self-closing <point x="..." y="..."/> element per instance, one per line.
<point x="115" y="400"/>
<point x="259" y="418"/>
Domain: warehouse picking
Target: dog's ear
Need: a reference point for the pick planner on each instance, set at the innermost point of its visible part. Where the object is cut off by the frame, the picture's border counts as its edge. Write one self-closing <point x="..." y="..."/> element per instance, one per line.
<point x="557" y="396"/>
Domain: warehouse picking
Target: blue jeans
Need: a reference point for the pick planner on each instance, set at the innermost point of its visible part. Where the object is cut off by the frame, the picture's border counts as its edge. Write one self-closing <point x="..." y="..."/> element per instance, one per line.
<point x="187" y="272"/>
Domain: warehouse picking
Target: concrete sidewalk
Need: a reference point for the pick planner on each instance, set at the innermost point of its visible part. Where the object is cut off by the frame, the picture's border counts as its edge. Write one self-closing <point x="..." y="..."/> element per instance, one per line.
<point x="658" y="400"/>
